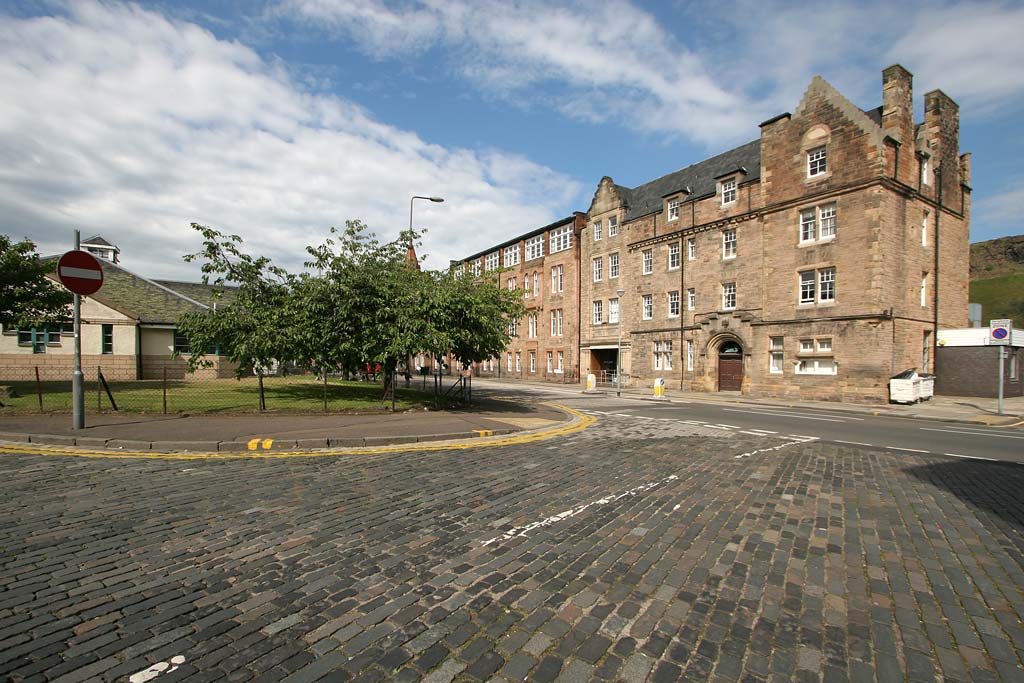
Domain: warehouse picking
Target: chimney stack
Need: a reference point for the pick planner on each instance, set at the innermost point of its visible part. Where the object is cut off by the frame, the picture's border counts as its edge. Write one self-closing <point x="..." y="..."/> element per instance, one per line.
<point x="898" y="117"/>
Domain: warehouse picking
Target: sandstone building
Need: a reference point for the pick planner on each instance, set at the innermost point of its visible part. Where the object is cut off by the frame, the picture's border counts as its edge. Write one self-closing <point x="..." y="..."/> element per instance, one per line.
<point x="815" y="261"/>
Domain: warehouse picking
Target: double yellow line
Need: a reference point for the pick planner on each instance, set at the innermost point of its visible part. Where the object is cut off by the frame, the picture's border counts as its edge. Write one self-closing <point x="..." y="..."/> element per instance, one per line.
<point x="579" y="422"/>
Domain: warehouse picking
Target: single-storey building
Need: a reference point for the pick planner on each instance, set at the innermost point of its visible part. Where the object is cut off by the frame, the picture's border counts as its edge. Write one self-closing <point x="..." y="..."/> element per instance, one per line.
<point x="129" y="330"/>
<point x="967" y="365"/>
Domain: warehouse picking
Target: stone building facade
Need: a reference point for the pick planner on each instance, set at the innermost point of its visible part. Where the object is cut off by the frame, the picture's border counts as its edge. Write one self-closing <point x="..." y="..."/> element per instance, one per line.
<point x="814" y="262"/>
<point x="544" y="265"/>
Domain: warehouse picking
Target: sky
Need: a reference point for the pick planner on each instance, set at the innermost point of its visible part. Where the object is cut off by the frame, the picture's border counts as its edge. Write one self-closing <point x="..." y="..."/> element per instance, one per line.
<point x="278" y="119"/>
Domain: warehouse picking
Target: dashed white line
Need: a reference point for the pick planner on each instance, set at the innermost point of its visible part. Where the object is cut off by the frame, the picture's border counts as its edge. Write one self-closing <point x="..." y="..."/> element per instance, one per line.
<point x="909" y="450"/>
<point x="853" y="443"/>
<point x="798" y="416"/>
<point x="970" y="457"/>
<point x="972" y="433"/>
<point x="764" y="431"/>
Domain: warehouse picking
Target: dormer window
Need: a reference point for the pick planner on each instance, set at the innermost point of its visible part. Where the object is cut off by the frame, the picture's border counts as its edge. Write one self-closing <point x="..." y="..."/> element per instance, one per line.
<point x="728" y="191"/>
<point x="673" y="209"/>
<point x="817" y="162"/>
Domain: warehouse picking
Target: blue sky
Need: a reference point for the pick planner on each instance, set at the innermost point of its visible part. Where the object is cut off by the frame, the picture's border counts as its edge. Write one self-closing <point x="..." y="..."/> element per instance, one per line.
<point x="277" y="119"/>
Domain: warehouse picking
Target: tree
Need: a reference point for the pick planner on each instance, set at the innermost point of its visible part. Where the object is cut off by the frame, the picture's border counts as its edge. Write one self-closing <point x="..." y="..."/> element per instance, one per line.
<point x="27" y="295"/>
<point x="254" y="330"/>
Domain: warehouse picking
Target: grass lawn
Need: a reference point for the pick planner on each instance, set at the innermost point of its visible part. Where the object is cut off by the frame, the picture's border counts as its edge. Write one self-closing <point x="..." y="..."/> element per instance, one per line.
<point x="1000" y="297"/>
<point x="283" y="394"/>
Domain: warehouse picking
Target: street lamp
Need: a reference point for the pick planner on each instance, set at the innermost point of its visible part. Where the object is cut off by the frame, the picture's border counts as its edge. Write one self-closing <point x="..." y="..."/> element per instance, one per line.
<point x="437" y="200"/>
<point x="618" y="354"/>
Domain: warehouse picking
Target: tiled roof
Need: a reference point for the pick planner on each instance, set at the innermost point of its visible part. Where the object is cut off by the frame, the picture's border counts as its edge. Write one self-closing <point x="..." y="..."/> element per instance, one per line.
<point x="197" y="291"/>
<point x="97" y="240"/>
<point x="700" y="178"/>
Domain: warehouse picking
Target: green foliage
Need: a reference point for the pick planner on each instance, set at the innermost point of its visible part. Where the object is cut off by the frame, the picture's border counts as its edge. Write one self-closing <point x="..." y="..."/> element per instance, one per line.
<point x="1000" y="297"/>
<point x="27" y="296"/>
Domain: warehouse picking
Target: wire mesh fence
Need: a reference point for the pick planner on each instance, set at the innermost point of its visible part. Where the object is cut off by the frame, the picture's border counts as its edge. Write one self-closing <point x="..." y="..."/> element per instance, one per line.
<point x="43" y="389"/>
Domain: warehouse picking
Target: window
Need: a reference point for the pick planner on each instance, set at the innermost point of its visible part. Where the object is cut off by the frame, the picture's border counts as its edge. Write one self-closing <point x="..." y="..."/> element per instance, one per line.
<point x="561" y="362"/>
<point x="613" y="265"/>
<point x="817" y="163"/>
<point x="820" y="362"/>
<point x="550" y="361"/>
<point x="648" y="306"/>
<point x="662" y="355"/>
<point x="613" y="226"/>
<point x="729" y="296"/>
<point x="728" y="191"/>
<point x="561" y="239"/>
<point x="818" y="285"/>
<point x="689" y="354"/>
<point x="924" y="289"/>
<point x="673" y="256"/>
<point x="648" y="256"/>
<point x="924" y="171"/>
<point x="613" y="311"/>
<point x="598" y="269"/>
<point x="106" y="339"/>
<point x="535" y="247"/>
<point x="598" y="312"/>
<point x="926" y="352"/>
<point x="557" y="278"/>
<point x="691" y="298"/>
<point x="475" y="268"/>
<point x="508" y="363"/>
<point x="673" y="304"/>
<point x="536" y="285"/>
<point x="533" y="361"/>
<point x="673" y="209"/>
<point x="491" y="262"/>
<point x="556" y="322"/>
<point x="531" y="326"/>
<point x="816" y="366"/>
<point x="827" y="284"/>
<point x="512" y="255"/>
<point x="729" y="243"/>
<point x="818" y="223"/>
<point x="513" y="327"/>
<point x="924" y="229"/>
<point x="596" y="226"/>
<point x="460" y="269"/>
<point x="526" y="286"/>
<point x="181" y="344"/>
<point x="776" y="357"/>
<point x="511" y="283"/>
<point x="691" y="248"/>
<point x="519" y="361"/>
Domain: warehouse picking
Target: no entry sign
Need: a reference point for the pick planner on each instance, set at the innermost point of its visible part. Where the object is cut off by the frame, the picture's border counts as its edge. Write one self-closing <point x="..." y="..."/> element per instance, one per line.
<point x="80" y="272"/>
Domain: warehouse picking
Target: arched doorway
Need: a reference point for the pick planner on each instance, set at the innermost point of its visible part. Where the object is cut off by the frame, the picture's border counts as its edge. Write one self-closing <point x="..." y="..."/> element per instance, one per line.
<point x="730" y="366"/>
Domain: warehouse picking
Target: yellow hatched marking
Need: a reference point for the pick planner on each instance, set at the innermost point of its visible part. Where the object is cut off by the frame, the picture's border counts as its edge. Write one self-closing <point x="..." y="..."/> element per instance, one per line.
<point x="581" y="422"/>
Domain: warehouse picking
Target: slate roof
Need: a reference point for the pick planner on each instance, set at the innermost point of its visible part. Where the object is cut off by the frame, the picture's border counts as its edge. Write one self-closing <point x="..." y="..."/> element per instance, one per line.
<point x="197" y="291"/>
<point x="699" y="177"/>
<point x="98" y="241"/>
<point x="146" y="300"/>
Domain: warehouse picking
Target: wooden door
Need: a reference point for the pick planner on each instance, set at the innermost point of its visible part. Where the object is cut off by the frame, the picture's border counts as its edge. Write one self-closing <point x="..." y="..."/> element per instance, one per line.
<point x="730" y="372"/>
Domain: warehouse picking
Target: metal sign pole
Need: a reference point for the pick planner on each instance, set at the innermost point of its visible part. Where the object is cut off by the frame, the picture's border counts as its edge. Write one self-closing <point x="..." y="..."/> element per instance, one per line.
<point x="1002" y="350"/>
<point x="77" y="383"/>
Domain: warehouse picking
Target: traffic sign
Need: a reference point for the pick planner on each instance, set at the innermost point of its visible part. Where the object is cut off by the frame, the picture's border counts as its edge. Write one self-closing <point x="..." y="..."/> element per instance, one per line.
<point x="80" y="272"/>
<point x="1000" y="332"/>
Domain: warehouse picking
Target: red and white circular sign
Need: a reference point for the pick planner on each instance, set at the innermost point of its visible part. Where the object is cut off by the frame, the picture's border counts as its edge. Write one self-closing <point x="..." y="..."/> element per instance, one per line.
<point x="80" y="272"/>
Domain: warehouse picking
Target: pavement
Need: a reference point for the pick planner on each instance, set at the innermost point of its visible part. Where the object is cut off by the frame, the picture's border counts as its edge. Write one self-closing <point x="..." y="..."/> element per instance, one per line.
<point x="489" y="416"/>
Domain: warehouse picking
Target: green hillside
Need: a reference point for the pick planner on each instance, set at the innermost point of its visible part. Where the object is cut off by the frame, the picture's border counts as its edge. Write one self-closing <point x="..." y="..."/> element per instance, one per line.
<point x="1000" y="297"/>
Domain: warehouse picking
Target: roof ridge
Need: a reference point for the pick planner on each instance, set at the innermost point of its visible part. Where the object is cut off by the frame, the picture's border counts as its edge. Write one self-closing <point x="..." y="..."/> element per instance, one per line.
<point x="159" y="286"/>
<point x="693" y="165"/>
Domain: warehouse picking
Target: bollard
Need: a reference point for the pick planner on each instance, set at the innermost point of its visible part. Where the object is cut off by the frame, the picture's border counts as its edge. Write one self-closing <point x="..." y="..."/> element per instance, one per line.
<point x="659" y="388"/>
<point x="591" y="382"/>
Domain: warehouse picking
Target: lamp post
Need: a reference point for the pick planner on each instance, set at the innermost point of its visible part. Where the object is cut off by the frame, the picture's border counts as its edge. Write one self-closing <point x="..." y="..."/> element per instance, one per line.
<point x="437" y="200"/>
<point x="618" y="354"/>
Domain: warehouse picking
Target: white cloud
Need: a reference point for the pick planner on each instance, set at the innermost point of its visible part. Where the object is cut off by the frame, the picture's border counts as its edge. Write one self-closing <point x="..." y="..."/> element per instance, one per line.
<point x="121" y="122"/>
<point x="706" y="74"/>
<point x="1000" y="213"/>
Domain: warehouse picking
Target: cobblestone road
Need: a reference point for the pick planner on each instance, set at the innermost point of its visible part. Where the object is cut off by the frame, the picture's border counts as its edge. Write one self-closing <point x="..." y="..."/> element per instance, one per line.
<point x="638" y="549"/>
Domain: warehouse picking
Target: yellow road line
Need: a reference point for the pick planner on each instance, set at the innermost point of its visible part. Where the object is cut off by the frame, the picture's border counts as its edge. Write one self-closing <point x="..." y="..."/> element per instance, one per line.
<point x="581" y="422"/>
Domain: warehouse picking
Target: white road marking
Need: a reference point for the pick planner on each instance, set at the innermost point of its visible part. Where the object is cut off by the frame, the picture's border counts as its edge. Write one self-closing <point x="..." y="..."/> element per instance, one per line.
<point x="909" y="450"/>
<point x="622" y="415"/>
<point x="522" y="531"/>
<point x="970" y="457"/>
<point x="157" y="669"/>
<point x="719" y="424"/>
<point x="799" y="416"/>
<point x="800" y="436"/>
<point x="764" y="431"/>
<point x="854" y="443"/>
<point x="767" y="450"/>
<point x="972" y="433"/>
<point x="751" y="432"/>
